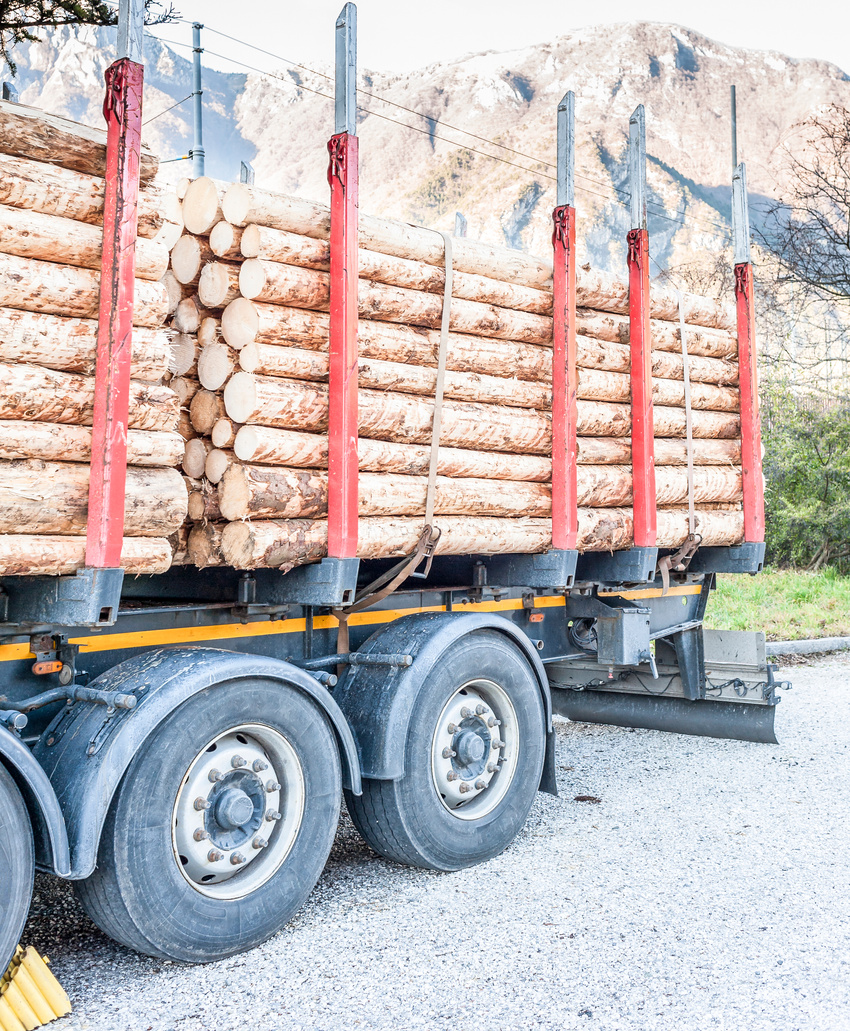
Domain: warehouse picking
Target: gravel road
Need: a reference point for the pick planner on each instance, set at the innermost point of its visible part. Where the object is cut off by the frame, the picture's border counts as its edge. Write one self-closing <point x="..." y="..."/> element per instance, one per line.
<point x="709" y="888"/>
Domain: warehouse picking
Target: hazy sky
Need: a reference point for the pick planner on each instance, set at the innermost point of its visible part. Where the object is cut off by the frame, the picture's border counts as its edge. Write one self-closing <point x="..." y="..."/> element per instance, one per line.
<point x="400" y="34"/>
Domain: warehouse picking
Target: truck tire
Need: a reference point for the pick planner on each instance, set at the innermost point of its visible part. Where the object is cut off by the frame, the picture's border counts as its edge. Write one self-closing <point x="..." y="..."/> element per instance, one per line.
<point x="474" y="753"/>
<point x="221" y="825"/>
<point x="17" y="861"/>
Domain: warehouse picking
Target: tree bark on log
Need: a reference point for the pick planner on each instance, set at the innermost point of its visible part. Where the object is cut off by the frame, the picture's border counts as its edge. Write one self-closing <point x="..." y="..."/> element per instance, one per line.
<point x="707" y="343"/>
<point x="206" y="409"/>
<point x="29" y="133"/>
<point x="45" y="555"/>
<point x="205" y="545"/>
<point x="53" y="190"/>
<point x="39" y="497"/>
<point x="45" y="286"/>
<point x="70" y="344"/>
<point x="203" y="503"/>
<point x="289" y="285"/>
<point x="30" y="234"/>
<point x="55" y="442"/>
<point x="243" y="205"/>
<point x="31" y="393"/>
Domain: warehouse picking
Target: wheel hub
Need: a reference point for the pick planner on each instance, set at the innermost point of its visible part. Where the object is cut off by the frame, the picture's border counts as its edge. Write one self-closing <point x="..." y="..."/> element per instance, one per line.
<point x="474" y="750"/>
<point x="238" y="811"/>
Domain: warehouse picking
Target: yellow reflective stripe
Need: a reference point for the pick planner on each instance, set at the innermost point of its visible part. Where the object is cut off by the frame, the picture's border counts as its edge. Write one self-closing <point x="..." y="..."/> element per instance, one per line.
<point x="234" y="631"/>
<point x="653" y="592"/>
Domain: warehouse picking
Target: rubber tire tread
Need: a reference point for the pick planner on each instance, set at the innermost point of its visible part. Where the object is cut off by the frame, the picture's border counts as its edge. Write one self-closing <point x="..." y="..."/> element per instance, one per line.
<point x="17" y="861"/>
<point x="109" y="897"/>
<point x="386" y="816"/>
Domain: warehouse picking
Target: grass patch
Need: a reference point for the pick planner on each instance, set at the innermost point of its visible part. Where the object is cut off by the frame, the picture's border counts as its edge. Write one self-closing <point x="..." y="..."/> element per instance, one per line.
<point x="788" y="606"/>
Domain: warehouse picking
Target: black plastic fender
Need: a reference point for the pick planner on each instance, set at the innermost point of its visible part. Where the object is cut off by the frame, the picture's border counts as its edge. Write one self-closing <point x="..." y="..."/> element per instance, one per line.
<point x="86" y="749"/>
<point x="377" y="700"/>
<point x="52" y="851"/>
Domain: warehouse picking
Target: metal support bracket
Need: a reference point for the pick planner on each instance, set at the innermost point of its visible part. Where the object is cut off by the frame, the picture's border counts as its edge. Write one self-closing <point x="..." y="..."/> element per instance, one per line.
<point x="633" y="566"/>
<point x="554" y="569"/>
<point x="331" y="582"/>
<point x="88" y="598"/>
<point x="742" y="558"/>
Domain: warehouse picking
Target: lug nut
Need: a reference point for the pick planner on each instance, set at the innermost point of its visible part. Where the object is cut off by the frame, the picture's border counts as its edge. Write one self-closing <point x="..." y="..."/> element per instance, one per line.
<point x="480" y="710"/>
<point x="214" y="855"/>
<point x="201" y="803"/>
<point x="464" y="788"/>
<point x="237" y="762"/>
<point x="498" y="744"/>
<point x="492" y="767"/>
<point x="259" y="842"/>
<point x="237" y="859"/>
<point x="451" y="728"/>
<point x="448" y="753"/>
<point x="493" y="722"/>
<point x="273" y="815"/>
<point x="451" y="775"/>
<point x="480" y="784"/>
<point x="215" y="776"/>
<point x="272" y="785"/>
<point x="200" y="834"/>
<point x="258" y="766"/>
<point x="466" y="712"/>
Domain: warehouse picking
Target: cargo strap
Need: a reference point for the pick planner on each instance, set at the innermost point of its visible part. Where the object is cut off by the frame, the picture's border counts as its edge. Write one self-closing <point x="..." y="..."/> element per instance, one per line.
<point x="680" y="560"/>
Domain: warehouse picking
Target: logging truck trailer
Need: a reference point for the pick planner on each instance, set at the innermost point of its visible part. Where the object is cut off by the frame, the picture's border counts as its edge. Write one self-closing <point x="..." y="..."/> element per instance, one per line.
<point x="178" y="744"/>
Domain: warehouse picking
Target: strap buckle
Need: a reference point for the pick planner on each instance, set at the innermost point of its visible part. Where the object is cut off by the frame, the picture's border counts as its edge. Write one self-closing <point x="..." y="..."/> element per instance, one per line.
<point x="679" y="561"/>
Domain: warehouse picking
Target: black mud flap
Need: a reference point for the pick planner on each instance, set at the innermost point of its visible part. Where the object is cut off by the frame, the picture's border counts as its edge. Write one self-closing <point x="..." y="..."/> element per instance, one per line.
<point x="738" y="721"/>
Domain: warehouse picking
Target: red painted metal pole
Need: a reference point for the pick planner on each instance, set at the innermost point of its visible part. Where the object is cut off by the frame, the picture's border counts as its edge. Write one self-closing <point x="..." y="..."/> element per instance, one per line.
<point x="643" y="433"/>
<point x="342" y="423"/>
<point x="753" y="480"/>
<point x="564" y="382"/>
<point x="122" y="109"/>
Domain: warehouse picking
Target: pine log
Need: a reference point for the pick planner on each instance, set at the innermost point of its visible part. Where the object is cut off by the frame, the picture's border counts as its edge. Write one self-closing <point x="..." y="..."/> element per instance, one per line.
<point x="43" y="555"/>
<point x="54" y="442"/>
<point x="291" y="249"/>
<point x="184" y="354"/>
<point x="209" y="331"/>
<point x="206" y="409"/>
<point x="28" y="392"/>
<point x="201" y="205"/>
<point x="300" y="405"/>
<point x="52" y="190"/>
<point x="268" y="492"/>
<point x="29" y="133"/>
<point x="215" y="365"/>
<point x="217" y="463"/>
<point x="706" y="451"/>
<point x="46" y="286"/>
<point x="70" y="345"/>
<point x="226" y="242"/>
<point x="185" y="387"/>
<point x="243" y="204"/>
<point x="188" y="257"/>
<point x="707" y="343"/>
<point x="173" y="289"/>
<point x="286" y="543"/>
<point x="30" y="234"/>
<point x="168" y="235"/>
<point x="195" y="457"/>
<point x="189" y="315"/>
<point x="179" y="544"/>
<point x="218" y="284"/>
<point x="203" y="503"/>
<point x="52" y="497"/>
<point x="223" y="433"/>
<point x="205" y="544"/>
<point x="289" y="285"/>
<point x="185" y="427"/>
<point x="246" y="322"/>
<point x="182" y="186"/>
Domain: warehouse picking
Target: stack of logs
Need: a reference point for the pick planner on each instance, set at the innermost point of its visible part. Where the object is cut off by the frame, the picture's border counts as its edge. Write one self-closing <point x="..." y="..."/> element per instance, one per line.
<point x="259" y="262"/>
<point x="51" y="216"/>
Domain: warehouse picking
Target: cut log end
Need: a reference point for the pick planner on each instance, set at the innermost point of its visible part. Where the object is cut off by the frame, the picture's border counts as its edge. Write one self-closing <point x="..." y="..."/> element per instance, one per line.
<point x="201" y="207"/>
<point x="240" y="323"/>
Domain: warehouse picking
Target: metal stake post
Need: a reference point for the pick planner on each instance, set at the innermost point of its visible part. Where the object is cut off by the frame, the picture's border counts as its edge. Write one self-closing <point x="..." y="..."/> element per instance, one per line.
<point x="564" y="375"/>
<point x="753" y="481"/>
<point x="122" y="110"/>
<point x="343" y="179"/>
<point x="643" y="438"/>
<point x="197" y="151"/>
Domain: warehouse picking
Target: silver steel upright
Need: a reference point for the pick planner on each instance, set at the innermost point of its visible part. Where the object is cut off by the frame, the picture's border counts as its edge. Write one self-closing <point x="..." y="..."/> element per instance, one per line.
<point x="345" y="106"/>
<point x="131" y="30"/>
<point x="566" y="159"/>
<point x="734" y="103"/>
<point x="197" y="151"/>
<point x="637" y="168"/>
<point x="740" y="215"/>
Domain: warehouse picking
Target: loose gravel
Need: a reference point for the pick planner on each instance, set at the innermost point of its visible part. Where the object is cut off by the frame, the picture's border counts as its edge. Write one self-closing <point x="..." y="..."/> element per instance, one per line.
<point x="708" y="888"/>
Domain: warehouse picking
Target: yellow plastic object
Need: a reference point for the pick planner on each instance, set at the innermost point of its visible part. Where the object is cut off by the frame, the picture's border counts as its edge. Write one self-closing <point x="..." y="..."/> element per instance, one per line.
<point x="30" y="996"/>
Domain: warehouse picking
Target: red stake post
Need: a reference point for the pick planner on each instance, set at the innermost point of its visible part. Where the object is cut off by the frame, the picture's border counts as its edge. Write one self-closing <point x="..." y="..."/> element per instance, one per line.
<point x="122" y="109"/>
<point x="342" y="424"/>
<point x="751" y="463"/>
<point x="643" y="432"/>
<point x="564" y="382"/>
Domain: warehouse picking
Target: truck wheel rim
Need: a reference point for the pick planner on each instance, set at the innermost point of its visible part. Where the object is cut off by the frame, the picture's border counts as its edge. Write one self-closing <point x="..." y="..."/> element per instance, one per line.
<point x="475" y="749"/>
<point x="238" y="811"/>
